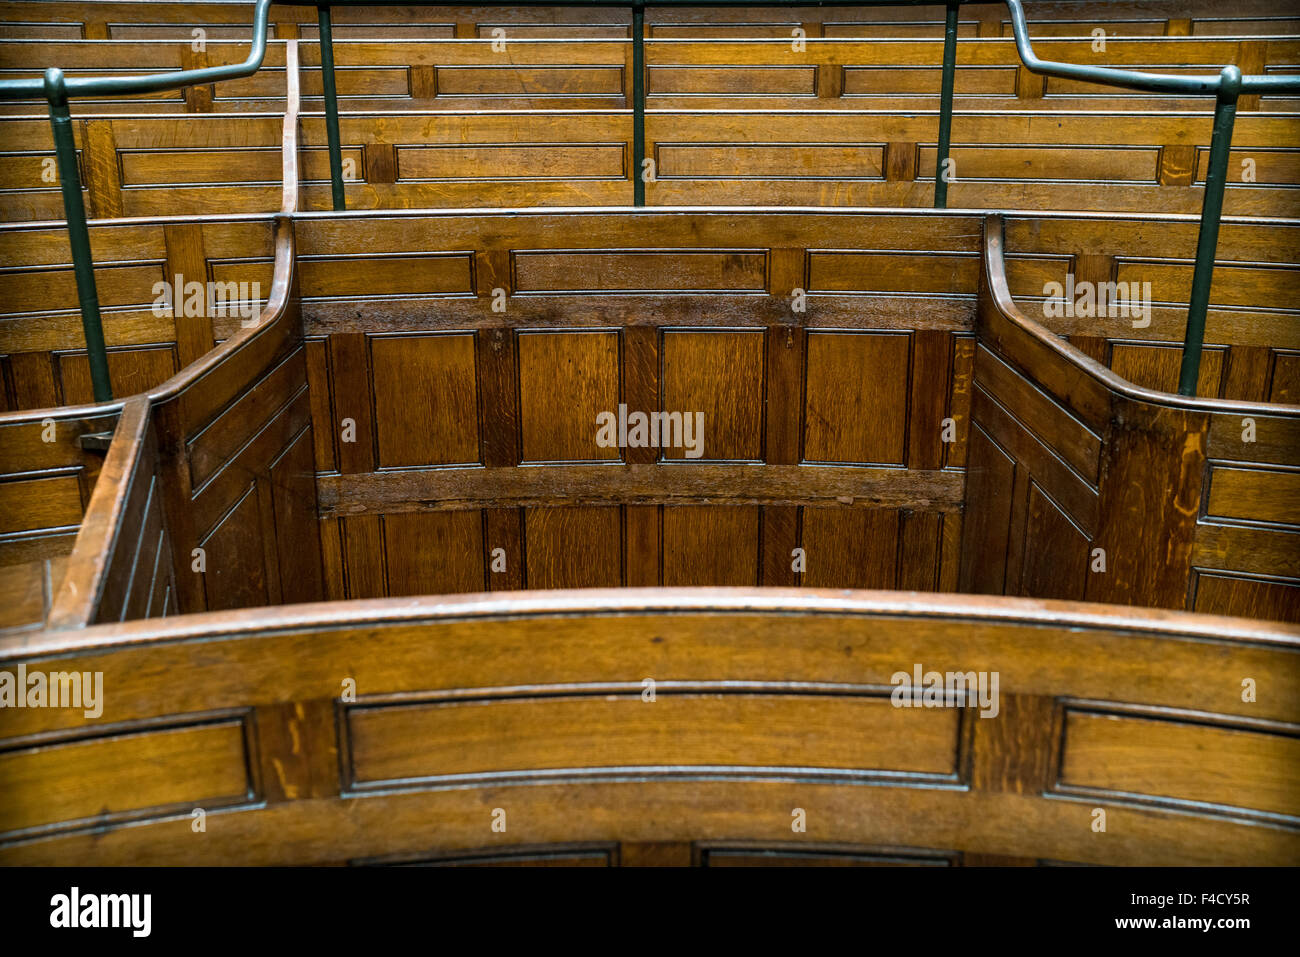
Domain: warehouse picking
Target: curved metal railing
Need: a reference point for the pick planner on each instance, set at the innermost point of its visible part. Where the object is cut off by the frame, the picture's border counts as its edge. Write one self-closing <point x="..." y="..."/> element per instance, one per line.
<point x="57" y="89"/>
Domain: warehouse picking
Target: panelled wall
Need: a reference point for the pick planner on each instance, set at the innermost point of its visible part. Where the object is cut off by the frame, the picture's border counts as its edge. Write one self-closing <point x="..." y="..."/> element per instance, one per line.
<point x="729" y="122"/>
<point x="47" y="482"/>
<point x="149" y="165"/>
<point x="824" y="354"/>
<point x="1246" y="543"/>
<point x="42" y="345"/>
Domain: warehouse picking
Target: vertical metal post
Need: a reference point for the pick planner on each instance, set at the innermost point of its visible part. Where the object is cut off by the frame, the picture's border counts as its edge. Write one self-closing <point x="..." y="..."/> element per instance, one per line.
<point x="1225" y="112"/>
<point x="74" y="209"/>
<point x="638" y="103"/>
<point x="945" y="106"/>
<point x="331" y="105"/>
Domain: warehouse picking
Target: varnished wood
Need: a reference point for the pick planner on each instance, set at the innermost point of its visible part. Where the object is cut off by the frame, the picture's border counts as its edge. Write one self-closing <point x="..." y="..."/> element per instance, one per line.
<point x="429" y="669"/>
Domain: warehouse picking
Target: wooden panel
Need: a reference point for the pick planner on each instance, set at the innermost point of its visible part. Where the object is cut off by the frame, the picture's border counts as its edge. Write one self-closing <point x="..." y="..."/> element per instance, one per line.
<point x="719" y="375"/>
<point x="123" y="775"/>
<point x="1157" y="367"/>
<point x="987" y="520"/>
<point x="1227" y="594"/>
<point x="676" y="730"/>
<point x="40" y="503"/>
<point x="856" y="398"/>
<point x="1056" y="551"/>
<point x="736" y="80"/>
<point x="493" y="163"/>
<point x="426" y="399"/>
<point x="363" y="550"/>
<point x="1285" y="387"/>
<point x="566" y="381"/>
<point x="505" y="543"/>
<point x="434" y="553"/>
<point x="850" y="547"/>
<point x="546" y="81"/>
<point x="573" y="547"/>
<point x="297" y="533"/>
<point x="737" y="271"/>
<point x="705" y="545"/>
<point x="740" y="161"/>
<point x="1075" y="163"/>
<point x="236" y="573"/>
<point x="1254" y="495"/>
<point x="1133" y="755"/>
<point x="358" y="277"/>
<point x="130" y="372"/>
<point x="891" y="272"/>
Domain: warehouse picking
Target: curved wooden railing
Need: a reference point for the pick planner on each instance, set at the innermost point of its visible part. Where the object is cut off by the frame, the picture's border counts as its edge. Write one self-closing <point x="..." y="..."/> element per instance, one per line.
<point x="1119" y="493"/>
<point x="121" y="564"/>
<point x="723" y="721"/>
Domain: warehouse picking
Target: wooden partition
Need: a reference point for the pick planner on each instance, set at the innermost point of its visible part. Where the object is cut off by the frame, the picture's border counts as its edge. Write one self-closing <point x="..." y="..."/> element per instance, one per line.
<point x="458" y="363"/>
<point x="1001" y="159"/>
<point x="901" y="75"/>
<point x="1119" y="493"/>
<point x="667" y="727"/>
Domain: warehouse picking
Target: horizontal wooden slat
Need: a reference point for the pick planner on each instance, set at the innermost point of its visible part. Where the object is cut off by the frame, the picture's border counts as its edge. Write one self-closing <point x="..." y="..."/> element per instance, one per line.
<point x="1254" y="495"/>
<point x="1130" y="755"/>
<point x="94" y="778"/>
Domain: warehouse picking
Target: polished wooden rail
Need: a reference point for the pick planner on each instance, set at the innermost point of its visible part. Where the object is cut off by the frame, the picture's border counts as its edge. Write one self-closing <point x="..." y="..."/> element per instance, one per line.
<point x="656" y="726"/>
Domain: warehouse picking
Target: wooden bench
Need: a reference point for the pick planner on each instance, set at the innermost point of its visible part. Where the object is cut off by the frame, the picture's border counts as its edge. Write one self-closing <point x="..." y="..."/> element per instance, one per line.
<point x="668" y="726"/>
<point x="896" y="74"/>
<point x="55" y="19"/>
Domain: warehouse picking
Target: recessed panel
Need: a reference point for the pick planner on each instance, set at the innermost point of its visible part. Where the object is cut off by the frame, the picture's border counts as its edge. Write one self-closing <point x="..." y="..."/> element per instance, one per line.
<point x="710" y="545"/>
<point x="569" y="396"/>
<point x="677" y="731"/>
<point x="856" y="398"/>
<point x="426" y="400"/>
<point x="123" y="774"/>
<point x="1246" y="769"/>
<point x="714" y="380"/>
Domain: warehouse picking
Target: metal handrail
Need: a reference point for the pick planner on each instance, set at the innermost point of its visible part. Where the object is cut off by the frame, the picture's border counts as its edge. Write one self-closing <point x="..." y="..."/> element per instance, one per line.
<point x="1227" y="86"/>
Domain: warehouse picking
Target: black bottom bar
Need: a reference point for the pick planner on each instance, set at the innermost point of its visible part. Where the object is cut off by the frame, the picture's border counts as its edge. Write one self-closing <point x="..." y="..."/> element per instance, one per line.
<point x="481" y="907"/>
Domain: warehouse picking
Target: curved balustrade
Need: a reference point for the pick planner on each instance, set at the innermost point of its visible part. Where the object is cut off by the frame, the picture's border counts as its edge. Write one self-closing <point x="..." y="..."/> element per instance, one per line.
<point x="399" y="731"/>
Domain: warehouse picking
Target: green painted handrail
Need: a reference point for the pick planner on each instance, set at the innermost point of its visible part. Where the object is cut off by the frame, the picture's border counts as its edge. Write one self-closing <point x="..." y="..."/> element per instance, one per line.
<point x="57" y="89"/>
